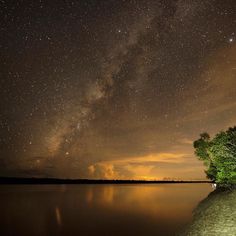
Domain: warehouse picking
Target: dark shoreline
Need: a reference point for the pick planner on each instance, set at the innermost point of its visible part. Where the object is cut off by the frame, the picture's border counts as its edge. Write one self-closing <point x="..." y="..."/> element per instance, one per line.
<point x="15" y="180"/>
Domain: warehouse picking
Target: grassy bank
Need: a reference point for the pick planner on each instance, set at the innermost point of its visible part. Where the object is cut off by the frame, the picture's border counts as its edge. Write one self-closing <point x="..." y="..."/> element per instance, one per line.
<point x="215" y="215"/>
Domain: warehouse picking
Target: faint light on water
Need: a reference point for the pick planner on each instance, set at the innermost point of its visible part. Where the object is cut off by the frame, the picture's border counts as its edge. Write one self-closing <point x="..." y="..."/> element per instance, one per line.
<point x="108" y="194"/>
<point x="89" y="195"/>
<point x="58" y="215"/>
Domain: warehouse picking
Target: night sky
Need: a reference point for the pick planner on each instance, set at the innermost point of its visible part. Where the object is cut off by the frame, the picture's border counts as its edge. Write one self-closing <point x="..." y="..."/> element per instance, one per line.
<point x="113" y="89"/>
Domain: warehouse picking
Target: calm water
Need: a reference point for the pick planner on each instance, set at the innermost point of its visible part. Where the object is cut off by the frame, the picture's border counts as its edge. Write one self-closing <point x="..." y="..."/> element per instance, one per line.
<point x="139" y="209"/>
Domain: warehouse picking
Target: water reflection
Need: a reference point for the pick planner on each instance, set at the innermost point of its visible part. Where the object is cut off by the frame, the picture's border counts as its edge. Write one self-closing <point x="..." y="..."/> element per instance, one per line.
<point x="215" y="215"/>
<point x="58" y="215"/>
<point x="98" y="209"/>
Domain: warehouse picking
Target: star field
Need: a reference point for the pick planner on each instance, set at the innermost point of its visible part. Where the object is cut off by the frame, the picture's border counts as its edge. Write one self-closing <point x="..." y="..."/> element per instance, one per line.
<point x="113" y="89"/>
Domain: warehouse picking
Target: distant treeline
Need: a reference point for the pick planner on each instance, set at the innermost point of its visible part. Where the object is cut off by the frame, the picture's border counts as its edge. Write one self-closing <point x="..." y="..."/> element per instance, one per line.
<point x="15" y="180"/>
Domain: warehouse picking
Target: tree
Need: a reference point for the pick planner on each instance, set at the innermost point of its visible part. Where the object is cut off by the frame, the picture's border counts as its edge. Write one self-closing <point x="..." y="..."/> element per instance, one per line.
<point x="219" y="155"/>
<point x="201" y="148"/>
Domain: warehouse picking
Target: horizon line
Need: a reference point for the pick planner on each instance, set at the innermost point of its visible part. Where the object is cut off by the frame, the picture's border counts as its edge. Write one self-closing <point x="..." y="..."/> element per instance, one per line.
<point x="49" y="180"/>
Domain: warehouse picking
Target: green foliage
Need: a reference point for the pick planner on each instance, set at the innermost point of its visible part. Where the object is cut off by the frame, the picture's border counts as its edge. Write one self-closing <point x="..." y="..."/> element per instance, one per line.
<point x="219" y="155"/>
<point x="211" y="172"/>
<point x="201" y="148"/>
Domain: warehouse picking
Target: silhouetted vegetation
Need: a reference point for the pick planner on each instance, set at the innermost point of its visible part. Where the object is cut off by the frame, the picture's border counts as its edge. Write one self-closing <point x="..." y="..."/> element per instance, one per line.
<point x="219" y="155"/>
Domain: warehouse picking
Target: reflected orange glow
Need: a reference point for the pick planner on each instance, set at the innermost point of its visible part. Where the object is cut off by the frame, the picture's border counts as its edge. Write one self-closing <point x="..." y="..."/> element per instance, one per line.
<point x="58" y="215"/>
<point x="153" y="200"/>
<point x="89" y="195"/>
<point x="152" y="209"/>
<point x="108" y="194"/>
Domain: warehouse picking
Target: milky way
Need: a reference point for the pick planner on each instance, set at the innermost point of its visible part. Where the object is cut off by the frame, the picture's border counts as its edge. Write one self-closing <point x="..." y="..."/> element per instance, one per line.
<point x="113" y="89"/>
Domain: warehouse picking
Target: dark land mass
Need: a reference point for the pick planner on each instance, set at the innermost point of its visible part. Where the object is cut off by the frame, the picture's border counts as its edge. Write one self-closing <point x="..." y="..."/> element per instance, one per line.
<point x="16" y="180"/>
<point x="215" y="215"/>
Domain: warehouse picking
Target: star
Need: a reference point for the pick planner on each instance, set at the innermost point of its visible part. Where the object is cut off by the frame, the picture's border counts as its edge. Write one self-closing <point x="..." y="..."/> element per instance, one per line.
<point x="91" y="90"/>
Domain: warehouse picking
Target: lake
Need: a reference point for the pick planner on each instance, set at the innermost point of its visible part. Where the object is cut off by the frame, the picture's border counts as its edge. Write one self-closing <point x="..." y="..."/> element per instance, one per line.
<point x="107" y="210"/>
